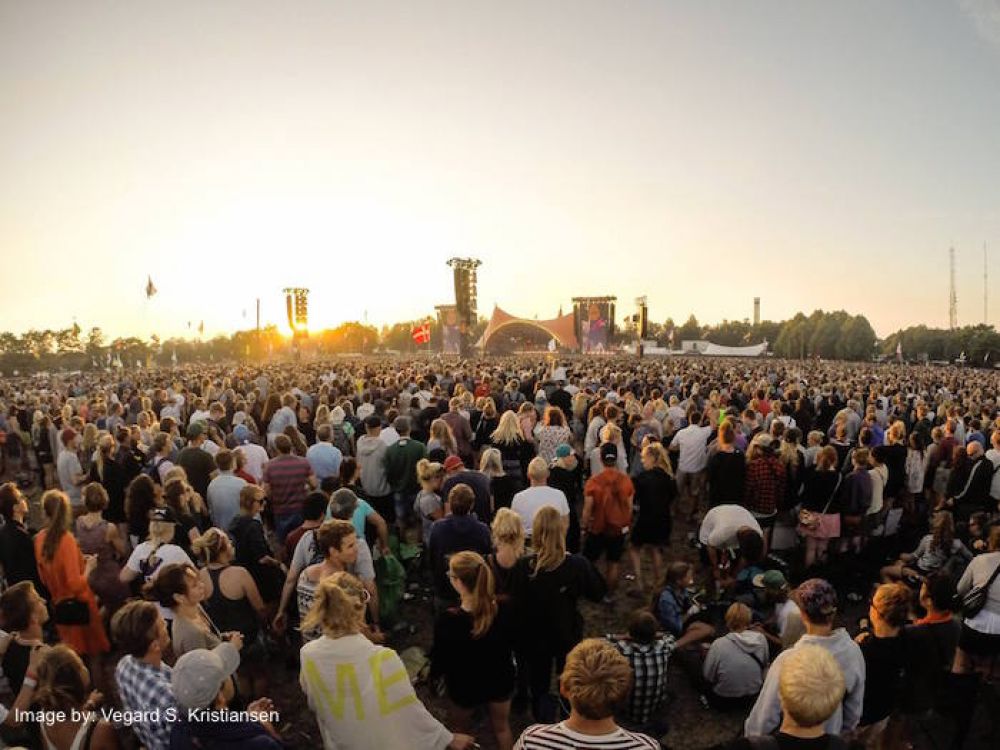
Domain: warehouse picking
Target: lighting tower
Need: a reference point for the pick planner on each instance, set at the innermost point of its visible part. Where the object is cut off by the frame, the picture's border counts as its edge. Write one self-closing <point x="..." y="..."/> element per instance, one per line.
<point x="952" y="297"/>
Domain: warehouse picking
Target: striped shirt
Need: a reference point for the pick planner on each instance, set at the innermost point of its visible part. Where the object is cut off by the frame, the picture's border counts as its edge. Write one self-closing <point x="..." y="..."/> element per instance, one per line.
<point x="286" y="477"/>
<point x="560" y="737"/>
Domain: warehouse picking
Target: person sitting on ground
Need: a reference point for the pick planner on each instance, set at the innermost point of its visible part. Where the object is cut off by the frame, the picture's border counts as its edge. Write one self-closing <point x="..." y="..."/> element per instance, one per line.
<point x="809" y="691"/>
<point x="936" y="551"/>
<point x="673" y="607"/>
<point x="735" y="664"/>
<point x="648" y="652"/>
<point x="596" y="681"/>
<point x="783" y="627"/>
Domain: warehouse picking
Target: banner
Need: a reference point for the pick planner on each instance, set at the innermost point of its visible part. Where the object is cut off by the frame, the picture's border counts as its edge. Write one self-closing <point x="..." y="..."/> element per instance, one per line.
<point x="421" y="334"/>
<point x="594" y="328"/>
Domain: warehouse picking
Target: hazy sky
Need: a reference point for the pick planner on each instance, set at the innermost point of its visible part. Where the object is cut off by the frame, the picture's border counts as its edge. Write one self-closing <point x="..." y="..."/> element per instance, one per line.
<point x="816" y="154"/>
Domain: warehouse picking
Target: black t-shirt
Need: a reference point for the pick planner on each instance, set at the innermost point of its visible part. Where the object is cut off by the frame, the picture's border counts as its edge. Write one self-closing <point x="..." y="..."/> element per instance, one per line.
<point x="885" y="659"/>
<point x="15" y="665"/>
<point x="199" y="466"/>
<point x="726" y="474"/>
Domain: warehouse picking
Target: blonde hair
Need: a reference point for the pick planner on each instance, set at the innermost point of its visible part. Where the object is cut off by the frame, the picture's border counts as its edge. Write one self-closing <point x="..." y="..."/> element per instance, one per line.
<point x="491" y="463"/>
<point x="63" y="680"/>
<point x="596" y="678"/>
<point x="538" y="469"/>
<point x="509" y="429"/>
<point x="611" y="433"/>
<point x="811" y="685"/>
<point x="338" y="608"/>
<point x="548" y="539"/>
<point x="471" y="569"/>
<point x="211" y="544"/>
<point x="658" y="455"/>
<point x="738" y="617"/>
<point x="55" y="503"/>
<point x="507" y="528"/>
<point x="441" y="431"/>
<point x="428" y="472"/>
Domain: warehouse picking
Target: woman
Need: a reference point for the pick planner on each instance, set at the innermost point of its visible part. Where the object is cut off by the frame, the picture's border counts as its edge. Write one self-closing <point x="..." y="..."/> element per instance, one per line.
<point x="428" y="504"/>
<point x="154" y="554"/>
<point x="765" y="483"/>
<point x="64" y="690"/>
<point x="442" y="438"/>
<point x="937" y="551"/>
<point x="178" y="497"/>
<point x="350" y="475"/>
<point x="726" y="468"/>
<point x="819" y="498"/>
<point x="675" y="608"/>
<point x="141" y="498"/>
<point x="503" y="487"/>
<point x="735" y="664"/>
<point x="980" y="639"/>
<point x="855" y="499"/>
<point x="17" y="551"/>
<point x="566" y="475"/>
<point x="508" y="543"/>
<point x="101" y="539"/>
<point x="24" y="614"/>
<point x="527" y="418"/>
<point x="473" y="648"/>
<point x="551" y="433"/>
<point x="487" y="423"/>
<point x="88" y="446"/>
<point x="252" y="550"/>
<point x="42" y="443"/>
<point x="112" y="477"/>
<point x="64" y="571"/>
<point x="338" y="612"/>
<point x="610" y="433"/>
<point x="554" y="583"/>
<point x="655" y="492"/>
<point x="515" y="451"/>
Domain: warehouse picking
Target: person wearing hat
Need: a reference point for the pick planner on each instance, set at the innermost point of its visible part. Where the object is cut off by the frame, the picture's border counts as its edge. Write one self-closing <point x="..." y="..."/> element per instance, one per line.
<point x="566" y="474"/>
<point x="202" y="683"/>
<point x="772" y="591"/>
<point x="479" y="483"/>
<point x="71" y="474"/>
<point x="256" y="455"/>
<point x="158" y="551"/>
<point x="607" y="514"/>
<point x="817" y="602"/>
<point x="196" y="461"/>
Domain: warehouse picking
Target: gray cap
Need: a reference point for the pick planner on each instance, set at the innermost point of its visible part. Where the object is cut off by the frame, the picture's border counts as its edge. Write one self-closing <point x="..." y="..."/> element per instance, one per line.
<point x="198" y="675"/>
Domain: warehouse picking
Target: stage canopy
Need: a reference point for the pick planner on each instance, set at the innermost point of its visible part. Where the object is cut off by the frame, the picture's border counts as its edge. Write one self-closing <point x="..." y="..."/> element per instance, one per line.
<point x="715" y="350"/>
<point x="560" y="329"/>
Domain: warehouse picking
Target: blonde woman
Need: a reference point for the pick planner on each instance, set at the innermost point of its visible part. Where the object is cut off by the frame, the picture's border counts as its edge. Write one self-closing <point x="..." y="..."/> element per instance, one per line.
<point x="655" y="492"/>
<point x="428" y="504"/>
<point x="610" y="433"/>
<point x="88" y="446"/>
<point x="387" y="712"/>
<point x="551" y="433"/>
<point x="508" y="542"/>
<point x="442" y="438"/>
<point x="551" y="618"/>
<point x="515" y="451"/>
<point x="503" y="486"/>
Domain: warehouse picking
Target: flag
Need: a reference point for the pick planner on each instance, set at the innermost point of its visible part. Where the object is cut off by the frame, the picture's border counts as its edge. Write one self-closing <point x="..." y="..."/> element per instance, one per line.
<point x="201" y="328"/>
<point x="421" y="334"/>
<point x="899" y="350"/>
<point x="150" y="289"/>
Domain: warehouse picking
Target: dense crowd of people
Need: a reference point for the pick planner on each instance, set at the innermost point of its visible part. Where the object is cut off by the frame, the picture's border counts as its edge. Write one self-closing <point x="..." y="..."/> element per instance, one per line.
<point x="190" y="526"/>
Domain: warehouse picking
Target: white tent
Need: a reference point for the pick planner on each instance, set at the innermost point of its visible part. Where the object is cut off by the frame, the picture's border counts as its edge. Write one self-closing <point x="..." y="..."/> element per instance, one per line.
<point x="715" y="350"/>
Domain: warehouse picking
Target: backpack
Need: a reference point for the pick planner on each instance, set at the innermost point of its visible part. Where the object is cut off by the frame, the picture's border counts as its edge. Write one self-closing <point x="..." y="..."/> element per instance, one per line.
<point x="615" y="515"/>
<point x="152" y="470"/>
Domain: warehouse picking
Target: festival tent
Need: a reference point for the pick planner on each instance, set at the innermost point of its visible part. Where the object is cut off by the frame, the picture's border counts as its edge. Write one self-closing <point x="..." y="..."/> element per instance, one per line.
<point x="716" y="350"/>
<point x="562" y="329"/>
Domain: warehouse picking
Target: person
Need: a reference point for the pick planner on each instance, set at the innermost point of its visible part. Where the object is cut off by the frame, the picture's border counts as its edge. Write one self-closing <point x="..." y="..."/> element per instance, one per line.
<point x="113" y="475"/>
<point x="974" y="495"/>
<point x="783" y="627"/>
<point x="68" y="467"/>
<point x="817" y="602"/>
<point x="551" y="433"/>
<point x="64" y="690"/>
<point x="154" y="554"/>
<point x="24" y="613"/>
<point x="691" y="443"/>
<point x="596" y="681"/>
<point x="400" y="469"/>
<point x="884" y="648"/>
<point x="676" y="610"/>
<point x="648" y="652"/>
<point x="508" y="543"/>
<point x="323" y="456"/>
<point x="428" y="505"/>
<point x="936" y="551"/>
<point x="655" y="492"/>
<point x="101" y="539"/>
<point x="720" y="531"/>
<point x="538" y="495"/>
<point x="197" y="462"/>
<point x="371" y="459"/>
<point x="735" y="664"/>
<point x="855" y="499"/>
<point x="64" y="571"/>
<point x="344" y="503"/>
<point x="607" y="515"/>
<point x="142" y="496"/>
<point x="381" y="709"/>
<point x="461" y="430"/>
<point x="726" y="469"/>
<point x="187" y="508"/>
<point x="503" y="487"/>
<point x="611" y="434"/>
<point x="142" y="678"/>
<point x="810" y="691"/>
<point x="202" y="683"/>
<point x="179" y="589"/>
<point x="479" y="483"/>
<point x="17" y="551"/>
<point x="224" y="490"/>
<point x="515" y="449"/>
<point x="931" y="641"/>
<point x="457" y="531"/>
<point x="820" y="490"/>
<point x="554" y="581"/>
<point x="285" y="480"/>
<point x="765" y="484"/>
<point x="252" y="549"/>
<point x="473" y="647"/>
<point x="256" y="455"/>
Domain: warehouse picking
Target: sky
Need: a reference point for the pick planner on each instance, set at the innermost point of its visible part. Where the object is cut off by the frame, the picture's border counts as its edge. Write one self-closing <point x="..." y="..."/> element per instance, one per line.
<point x="811" y="153"/>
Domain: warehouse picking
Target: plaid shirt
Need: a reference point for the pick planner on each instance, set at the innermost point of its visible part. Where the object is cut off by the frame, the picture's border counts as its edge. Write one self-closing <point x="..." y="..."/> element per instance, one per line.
<point x="649" y="665"/>
<point x="765" y="485"/>
<point x="143" y="687"/>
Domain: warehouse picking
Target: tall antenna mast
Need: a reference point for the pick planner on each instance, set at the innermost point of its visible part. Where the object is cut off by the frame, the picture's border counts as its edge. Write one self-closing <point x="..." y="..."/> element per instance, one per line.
<point x="986" y="287"/>
<point x="952" y="297"/>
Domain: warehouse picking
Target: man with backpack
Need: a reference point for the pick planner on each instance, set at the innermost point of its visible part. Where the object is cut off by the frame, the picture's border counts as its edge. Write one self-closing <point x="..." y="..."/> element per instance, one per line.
<point x="607" y="515"/>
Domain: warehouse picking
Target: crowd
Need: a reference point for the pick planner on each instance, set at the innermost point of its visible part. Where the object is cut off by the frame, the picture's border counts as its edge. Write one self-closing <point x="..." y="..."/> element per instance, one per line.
<point x="192" y="526"/>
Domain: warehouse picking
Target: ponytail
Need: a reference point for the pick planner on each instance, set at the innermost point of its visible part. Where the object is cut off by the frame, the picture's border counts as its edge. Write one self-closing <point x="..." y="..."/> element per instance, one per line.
<point x="471" y="569"/>
<point x="56" y="506"/>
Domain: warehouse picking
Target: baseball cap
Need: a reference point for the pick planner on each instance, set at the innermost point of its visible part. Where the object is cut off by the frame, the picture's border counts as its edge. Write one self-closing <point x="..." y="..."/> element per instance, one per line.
<point x="194" y="430"/>
<point x="453" y="462"/>
<point x="241" y="433"/>
<point x="563" y="450"/>
<point x="817" y="599"/>
<point x="773" y="580"/>
<point x="198" y="675"/>
<point x="609" y="453"/>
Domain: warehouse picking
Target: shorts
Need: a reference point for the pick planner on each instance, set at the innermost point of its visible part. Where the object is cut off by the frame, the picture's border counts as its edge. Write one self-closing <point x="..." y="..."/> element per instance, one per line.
<point x="977" y="643"/>
<point x="690" y="483"/>
<point x="612" y="547"/>
<point x="766" y="521"/>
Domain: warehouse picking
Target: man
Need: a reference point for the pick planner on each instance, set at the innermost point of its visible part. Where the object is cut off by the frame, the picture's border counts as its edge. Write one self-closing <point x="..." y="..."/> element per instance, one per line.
<point x="692" y="445"/>
<point x="561" y="398"/>
<point x="596" y="681"/>
<point x="224" y="491"/>
<point x="401" y="470"/>
<point x="975" y="495"/>
<point x="314" y="512"/>
<point x="371" y="459"/>
<point x="566" y="475"/>
<point x="71" y="476"/>
<point x="202" y="681"/>
<point x="648" y="653"/>
<point x="607" y="515"/>
<point x="810" y="691"/>
<point x="461" y="429"/>
<point x="286" y="478"/>
<point x="993" y="454"/>
<point x="143" y="679"/>
<point x="256" y="455"/>
<point x="324" y="457"/>
<point x="479" y="483"/>
<point x="348" y="506"/>
<point x="196" y="462"/>
<point x="817" y="601"/>
<point x="456" y="532"/>
<point x="720" y="530"/>
<point x="527" y="502"/>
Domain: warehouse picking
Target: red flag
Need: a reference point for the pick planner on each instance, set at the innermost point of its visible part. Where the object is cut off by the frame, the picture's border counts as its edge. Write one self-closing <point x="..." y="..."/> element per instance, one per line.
<point x="421" y="334"/>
